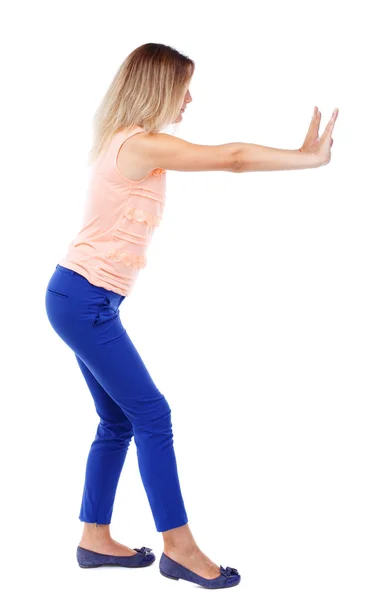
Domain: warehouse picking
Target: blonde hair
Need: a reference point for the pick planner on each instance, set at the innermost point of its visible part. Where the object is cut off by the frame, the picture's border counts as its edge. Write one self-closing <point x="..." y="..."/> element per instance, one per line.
<point x="148" y="90"/>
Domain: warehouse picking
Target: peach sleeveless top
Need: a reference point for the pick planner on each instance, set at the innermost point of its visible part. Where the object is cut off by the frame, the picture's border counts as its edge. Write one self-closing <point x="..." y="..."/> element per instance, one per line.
<point x="119" y="220"/>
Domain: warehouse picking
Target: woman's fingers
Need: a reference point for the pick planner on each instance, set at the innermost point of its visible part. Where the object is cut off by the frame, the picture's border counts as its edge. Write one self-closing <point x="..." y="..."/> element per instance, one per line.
<point x="330" y="125"/>
<point x="314" y="126"/>
<point x="312" y="134"/>
<point x="316" y="121"/>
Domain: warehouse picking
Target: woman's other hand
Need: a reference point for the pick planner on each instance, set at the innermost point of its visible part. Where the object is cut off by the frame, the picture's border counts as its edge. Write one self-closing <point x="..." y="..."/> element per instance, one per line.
<point x="320" y="146"/>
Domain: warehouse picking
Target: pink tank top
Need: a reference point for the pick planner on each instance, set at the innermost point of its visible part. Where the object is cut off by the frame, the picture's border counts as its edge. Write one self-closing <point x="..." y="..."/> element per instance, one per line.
<point x="119" y="220"/>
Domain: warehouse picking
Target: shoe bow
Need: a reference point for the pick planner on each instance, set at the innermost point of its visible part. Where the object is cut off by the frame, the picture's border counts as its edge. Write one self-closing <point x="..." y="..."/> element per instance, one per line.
<point x="143" y="550"/>
<point x="229" y="571"/>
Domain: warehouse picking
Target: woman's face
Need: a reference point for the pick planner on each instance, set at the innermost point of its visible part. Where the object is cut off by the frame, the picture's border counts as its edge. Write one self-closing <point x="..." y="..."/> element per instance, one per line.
<point x="187" y="99"/>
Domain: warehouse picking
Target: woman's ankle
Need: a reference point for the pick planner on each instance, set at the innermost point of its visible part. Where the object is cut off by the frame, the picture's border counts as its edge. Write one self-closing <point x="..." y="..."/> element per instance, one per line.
<point x="95" y="531"/>
<point x="181" y="550"/>
<point x="180" y="539"/>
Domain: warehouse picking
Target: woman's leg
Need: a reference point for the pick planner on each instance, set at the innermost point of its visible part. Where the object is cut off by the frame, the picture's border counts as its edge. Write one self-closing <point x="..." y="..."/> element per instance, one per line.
<point x="86" y="318"/>
<point x="106" y="455"/>
<point x="103" y="468"/>
<point x="120" y="371"/>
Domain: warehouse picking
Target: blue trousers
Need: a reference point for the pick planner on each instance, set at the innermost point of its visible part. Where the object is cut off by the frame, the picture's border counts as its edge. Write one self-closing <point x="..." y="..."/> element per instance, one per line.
<point x="128" y="403"/>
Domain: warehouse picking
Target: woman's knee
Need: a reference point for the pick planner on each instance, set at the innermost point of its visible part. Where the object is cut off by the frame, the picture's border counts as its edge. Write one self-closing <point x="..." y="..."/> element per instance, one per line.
<point x="157" y="417"/>
<point x="121" y="431"/>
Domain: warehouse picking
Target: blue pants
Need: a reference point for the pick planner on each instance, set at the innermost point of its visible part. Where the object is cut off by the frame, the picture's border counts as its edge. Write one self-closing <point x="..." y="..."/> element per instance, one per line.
<point x="128" y="403"/>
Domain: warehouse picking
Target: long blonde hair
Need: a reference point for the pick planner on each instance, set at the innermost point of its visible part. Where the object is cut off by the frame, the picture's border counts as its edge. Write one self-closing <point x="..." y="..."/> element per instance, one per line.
<point x="148" y="90"/>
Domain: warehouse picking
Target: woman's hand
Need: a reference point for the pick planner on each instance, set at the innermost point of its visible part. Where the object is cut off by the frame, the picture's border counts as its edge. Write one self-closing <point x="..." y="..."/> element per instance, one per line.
<point x="320" y="146"/>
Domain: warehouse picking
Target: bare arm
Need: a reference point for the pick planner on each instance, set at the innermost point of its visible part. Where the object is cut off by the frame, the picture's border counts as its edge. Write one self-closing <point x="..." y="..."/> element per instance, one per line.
<point x="252" y="157"/>
<point x="161" y="150"/>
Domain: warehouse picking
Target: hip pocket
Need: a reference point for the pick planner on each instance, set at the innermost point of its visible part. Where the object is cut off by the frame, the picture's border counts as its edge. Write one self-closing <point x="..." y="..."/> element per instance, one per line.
<point x="57" y="293"/>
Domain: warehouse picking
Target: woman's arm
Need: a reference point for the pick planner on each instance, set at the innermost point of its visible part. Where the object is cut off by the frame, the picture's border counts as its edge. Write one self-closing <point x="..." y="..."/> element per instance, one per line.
<point x="164" y="151"/>
<point x="252" y="157"/>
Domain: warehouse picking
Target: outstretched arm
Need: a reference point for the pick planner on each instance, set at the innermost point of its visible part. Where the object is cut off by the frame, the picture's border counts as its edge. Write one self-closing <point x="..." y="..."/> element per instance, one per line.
<point x="161" y="150"/>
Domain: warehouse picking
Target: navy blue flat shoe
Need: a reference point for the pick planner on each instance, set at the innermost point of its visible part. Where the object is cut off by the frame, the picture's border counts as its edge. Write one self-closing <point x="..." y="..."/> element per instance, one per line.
<point x="170" y="568"/>
<point x="88" y="559"/>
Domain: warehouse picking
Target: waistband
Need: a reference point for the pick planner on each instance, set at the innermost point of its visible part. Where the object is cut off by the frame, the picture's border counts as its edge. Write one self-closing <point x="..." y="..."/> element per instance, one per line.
<point x="114" y="296"/>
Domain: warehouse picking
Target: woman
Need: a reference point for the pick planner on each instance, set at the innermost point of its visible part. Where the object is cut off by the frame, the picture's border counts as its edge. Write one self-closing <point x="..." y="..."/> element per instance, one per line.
<point x="125" y="203"/>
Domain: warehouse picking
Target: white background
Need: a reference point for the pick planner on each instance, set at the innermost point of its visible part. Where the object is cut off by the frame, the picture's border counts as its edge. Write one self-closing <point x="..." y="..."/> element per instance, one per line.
<point x="256" y="316"/>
